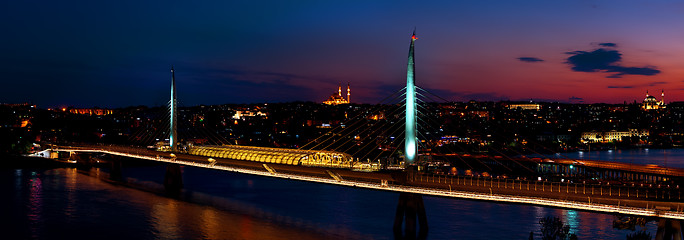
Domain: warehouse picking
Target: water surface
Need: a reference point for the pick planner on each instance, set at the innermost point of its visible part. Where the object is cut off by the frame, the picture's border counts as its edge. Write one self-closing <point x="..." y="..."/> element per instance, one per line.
<point x="70" y="204"/>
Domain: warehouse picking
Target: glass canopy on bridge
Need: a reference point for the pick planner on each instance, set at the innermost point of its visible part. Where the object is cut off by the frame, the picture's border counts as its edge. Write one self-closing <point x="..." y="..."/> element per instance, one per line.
<point x="277" y="155"/>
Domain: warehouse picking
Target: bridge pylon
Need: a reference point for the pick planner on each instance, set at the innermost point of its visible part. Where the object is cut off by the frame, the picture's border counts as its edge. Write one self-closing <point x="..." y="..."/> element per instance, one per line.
<point x="173" y="179"/>
<point x="410" y="207"/>
<point x="173" y="134"/>
<point x="410" y="143"/>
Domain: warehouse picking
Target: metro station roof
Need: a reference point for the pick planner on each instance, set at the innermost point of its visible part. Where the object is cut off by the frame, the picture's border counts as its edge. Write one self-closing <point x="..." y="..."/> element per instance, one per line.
<point x="274" y="155"/>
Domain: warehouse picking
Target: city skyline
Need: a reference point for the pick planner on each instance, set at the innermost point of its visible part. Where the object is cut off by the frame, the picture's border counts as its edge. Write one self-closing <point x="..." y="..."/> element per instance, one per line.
<point x="120" y="55"/>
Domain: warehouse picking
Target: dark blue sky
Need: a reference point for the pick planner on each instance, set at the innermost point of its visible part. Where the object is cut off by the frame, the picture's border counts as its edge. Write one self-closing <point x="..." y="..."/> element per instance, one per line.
<point x="113" y="54"/>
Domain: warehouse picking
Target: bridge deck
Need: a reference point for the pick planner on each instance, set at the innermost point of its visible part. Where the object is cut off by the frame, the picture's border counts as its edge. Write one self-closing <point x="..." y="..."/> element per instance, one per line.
<point x="632" y="201"/>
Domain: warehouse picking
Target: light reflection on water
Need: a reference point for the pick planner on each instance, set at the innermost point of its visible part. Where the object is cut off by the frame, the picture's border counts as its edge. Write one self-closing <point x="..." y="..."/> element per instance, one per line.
<point x="35" y="204"/>
<point x="570" y="218"/>
<point x="65" y="203"/>
<point x="71" y="188"/>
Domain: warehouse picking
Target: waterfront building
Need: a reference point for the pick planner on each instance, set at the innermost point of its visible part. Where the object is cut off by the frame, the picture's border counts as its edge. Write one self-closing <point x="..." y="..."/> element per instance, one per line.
<point x="610" y="136"/>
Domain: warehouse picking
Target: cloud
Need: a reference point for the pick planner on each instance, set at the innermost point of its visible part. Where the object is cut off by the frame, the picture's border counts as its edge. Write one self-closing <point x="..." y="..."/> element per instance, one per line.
<point x="608" y="44"/>
<point x="573" y="98"/>
<point x="646" y="71"/>
<point x="604" y="60"/>
<point x="530" y="59"/>
<point x="599" y="59"/>
<point x="651" y="84"/>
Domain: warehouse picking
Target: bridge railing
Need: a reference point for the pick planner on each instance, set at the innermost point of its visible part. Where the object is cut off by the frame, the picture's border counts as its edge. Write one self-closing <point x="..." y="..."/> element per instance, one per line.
<point x="619" y="194"/>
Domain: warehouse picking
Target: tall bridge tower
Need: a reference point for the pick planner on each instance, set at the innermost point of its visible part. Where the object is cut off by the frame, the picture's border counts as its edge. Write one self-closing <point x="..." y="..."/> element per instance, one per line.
<point x="173" y="135"/>
<point x="410" y="145"/>
<point x="410" y="207"/>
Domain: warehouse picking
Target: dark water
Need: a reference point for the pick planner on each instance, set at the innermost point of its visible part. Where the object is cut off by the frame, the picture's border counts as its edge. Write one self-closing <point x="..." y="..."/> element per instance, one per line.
<point x="70" y="204"/>
<point x="660" y="157"/>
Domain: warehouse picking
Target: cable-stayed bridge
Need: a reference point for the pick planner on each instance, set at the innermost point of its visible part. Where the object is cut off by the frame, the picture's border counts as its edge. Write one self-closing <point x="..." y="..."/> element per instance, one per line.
<point x="379" y="149"/>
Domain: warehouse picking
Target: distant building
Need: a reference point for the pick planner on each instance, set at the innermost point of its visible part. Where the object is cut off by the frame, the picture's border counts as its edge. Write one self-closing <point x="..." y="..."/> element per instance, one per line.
<point x="596" y="136"/>
<point x="650" y="102"/>
<point x="450" y="139"/>
<point x="91" y="111"/>
<point x="248" y="113"/>
<point x="18" y="105"/>
<point x="676" y="106"/>
<point x="336" y="99"/>
<point x="482" y="114"/>
<point x="524" y="106"/>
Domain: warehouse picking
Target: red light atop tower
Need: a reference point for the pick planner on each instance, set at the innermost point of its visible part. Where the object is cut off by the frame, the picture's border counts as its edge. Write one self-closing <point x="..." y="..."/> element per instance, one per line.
<point x="414" y="37"/>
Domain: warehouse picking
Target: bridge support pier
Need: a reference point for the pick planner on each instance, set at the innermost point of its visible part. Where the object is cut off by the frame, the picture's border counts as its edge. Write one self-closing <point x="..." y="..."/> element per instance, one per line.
<point x="83" y="160"/>
<point x="669" y="229"/>
<point x="409" y="207"/>
<point x="173" y="179"/>
<point x="116" y="169"/>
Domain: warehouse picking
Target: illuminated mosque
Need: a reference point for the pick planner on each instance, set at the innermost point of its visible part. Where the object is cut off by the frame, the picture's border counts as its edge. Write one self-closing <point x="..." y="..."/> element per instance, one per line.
<point x="336" y="99"/>
<point x="650" y="102"/>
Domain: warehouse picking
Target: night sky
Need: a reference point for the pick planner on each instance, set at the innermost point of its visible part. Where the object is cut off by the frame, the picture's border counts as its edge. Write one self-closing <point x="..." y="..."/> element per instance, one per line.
<point x="118" y="53"/>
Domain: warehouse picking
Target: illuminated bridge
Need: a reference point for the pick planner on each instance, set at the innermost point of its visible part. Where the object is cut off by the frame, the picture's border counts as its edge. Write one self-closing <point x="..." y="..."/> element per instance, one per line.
<point x="650" y="200"/>
<point x="641" y="201"/>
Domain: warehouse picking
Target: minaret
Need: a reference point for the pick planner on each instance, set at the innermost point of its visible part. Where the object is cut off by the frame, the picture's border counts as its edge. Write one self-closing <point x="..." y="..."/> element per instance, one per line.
<point x="662" y="97"/>
<point x="410" y="145"/>
<point x="348" y="93"/>
<point x="339" y="90"/>
<point x="173" y="138"/>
